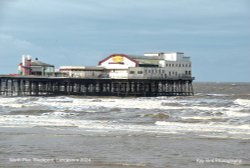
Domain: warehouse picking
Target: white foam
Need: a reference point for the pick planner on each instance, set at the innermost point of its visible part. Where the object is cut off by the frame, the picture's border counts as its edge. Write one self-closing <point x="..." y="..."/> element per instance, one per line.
<point x="243" y="102"/>
<point x="10" y="102"/>
<point x="57" y="99"/>
<point x="31" y="121"/>
<point x="232" y="113"/>
<point x="189" y="109"/>
<point x="83" y="104"/>
<point x="218" y="95"/>
<point x="201" y="117"/>
<point x="200" y="127"/>
<point x="59" y="114"/>
<point x="79" y="104"/>
<point x="160" y="127"/>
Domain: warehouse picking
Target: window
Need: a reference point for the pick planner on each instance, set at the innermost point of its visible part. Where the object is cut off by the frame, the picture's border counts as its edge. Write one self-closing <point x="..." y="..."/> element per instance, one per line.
<point x="139" y="72"/>
<point x="132" y="72"/>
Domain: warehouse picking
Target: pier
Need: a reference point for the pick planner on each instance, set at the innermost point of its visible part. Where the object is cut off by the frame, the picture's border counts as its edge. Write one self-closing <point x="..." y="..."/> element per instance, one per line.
<point x="56" y="86"/>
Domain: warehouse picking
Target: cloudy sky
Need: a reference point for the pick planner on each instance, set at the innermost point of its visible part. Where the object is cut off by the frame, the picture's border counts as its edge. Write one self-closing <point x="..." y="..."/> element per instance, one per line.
<point x="215" y="33"/>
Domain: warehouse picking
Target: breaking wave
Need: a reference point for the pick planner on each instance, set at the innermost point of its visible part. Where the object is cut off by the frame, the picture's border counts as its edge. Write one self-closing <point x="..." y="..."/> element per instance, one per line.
<point x="203" y="115"/>
<point x="242" y="102"/>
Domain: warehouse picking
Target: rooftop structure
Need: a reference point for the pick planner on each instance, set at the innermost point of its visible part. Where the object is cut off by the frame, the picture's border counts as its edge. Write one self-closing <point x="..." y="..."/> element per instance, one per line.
<point x="35" y="67"/>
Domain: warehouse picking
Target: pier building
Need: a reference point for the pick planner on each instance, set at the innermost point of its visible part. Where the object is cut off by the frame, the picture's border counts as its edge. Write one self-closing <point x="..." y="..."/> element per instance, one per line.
<point x="148" y="66"/>
<point x="28" y="67"/>
<point x="152" y="74"/>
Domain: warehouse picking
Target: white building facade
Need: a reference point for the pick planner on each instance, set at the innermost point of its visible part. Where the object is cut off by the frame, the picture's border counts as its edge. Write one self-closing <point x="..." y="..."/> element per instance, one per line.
<point x="117" y="65"/>
<point x="149" y="66"/>
<point x="82" y="71"/>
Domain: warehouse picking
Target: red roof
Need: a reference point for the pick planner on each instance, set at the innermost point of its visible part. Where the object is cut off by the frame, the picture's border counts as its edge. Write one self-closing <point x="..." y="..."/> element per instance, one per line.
<point x="123" y="55"/>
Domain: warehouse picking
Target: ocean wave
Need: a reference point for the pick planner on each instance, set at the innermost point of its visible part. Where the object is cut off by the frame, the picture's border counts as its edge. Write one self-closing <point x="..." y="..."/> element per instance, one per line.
<point x="242" y="102"/>
<point x="232" y="112"/>
<point x="142" y="103"/>
<point x="204" y="118"/>
<point x="211" y="127"/>
<point x="157" y="116"/>
<point x="217" y="95"/>
<point x="60" y="114"/>
<point x="160" y="127"/>
<point x="125" y="108"/>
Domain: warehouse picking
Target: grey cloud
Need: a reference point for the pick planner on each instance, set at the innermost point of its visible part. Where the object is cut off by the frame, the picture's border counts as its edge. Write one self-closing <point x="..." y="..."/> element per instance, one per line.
<point x="61" y="29"/>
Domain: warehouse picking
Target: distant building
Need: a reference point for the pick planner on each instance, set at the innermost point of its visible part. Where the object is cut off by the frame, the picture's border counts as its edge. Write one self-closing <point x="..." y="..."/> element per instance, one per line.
<point x="148" y="66"/>
<point x="82" y="71"/>
<point x="163" y="65"/>
<point x="35" y="67"/>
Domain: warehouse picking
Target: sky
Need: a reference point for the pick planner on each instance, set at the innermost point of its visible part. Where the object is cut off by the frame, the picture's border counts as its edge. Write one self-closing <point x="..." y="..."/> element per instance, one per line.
<point x="214" y="33"/>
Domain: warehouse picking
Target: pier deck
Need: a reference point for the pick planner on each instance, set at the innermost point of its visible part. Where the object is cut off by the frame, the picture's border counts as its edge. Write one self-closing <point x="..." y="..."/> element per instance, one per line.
<point x="53" y="86"/>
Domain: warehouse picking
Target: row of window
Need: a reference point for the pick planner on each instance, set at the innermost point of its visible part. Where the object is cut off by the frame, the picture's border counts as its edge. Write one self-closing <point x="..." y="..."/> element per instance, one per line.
<point x="160" y="71"/>
<point x="178" y="65"/>
<point x="72" y="70"/>
<point x="154" y="71"/>
<point x="133" y="72"/>
<point x="175" y="73"/>
<point x="187" y="72"/>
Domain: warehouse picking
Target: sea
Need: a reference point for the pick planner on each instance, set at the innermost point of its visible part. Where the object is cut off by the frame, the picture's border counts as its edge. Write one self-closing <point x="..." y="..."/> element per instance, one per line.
<point x="210" y="129"/>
